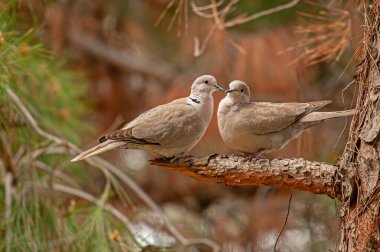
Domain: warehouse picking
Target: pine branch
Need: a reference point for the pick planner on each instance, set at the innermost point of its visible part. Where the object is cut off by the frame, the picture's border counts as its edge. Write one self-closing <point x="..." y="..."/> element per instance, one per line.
<point x="296" y="173"/>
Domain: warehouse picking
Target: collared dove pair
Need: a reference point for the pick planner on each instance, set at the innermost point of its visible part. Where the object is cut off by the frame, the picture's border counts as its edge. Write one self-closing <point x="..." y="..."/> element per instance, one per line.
<point x="175" y="128"/>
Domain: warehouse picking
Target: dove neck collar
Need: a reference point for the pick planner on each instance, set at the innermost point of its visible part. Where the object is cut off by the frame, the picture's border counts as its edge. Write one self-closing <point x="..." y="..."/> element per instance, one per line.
<point x="199" y="96"/>
<point x="195" y="100"/>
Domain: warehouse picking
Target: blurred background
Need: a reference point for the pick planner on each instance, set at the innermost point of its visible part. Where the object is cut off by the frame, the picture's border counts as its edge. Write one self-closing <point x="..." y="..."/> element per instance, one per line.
<point x="79" y="67"/>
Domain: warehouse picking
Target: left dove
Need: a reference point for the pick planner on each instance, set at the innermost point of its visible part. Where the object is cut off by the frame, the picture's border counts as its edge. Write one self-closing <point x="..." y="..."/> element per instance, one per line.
<point x="166" y="130"/>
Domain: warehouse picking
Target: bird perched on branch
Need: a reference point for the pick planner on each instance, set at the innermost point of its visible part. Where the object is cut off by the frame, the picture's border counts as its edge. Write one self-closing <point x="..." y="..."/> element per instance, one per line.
<point x="257" y="127"/>
<point x="166" y="130"/>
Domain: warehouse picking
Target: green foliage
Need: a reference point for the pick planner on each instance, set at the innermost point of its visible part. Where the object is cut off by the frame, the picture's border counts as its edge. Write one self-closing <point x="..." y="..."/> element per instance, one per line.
<point x="41" y="219"/>
<point x="41" y="80"/>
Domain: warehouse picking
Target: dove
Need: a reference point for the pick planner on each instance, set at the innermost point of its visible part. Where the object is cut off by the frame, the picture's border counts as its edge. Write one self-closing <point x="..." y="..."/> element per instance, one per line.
<point x="166" y="130"/>
<point x="254" y="128"/>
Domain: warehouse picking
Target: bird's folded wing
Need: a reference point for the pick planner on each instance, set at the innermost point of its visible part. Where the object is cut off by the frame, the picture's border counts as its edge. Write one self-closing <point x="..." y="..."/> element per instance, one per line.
<point x="166" y="125"/>
<point x="266" y="117"/>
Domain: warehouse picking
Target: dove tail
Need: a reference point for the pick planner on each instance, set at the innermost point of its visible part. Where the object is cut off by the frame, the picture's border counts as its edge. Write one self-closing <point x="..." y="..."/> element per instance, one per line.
<point x="321" y="116"/>
<point x="100" y="148"/>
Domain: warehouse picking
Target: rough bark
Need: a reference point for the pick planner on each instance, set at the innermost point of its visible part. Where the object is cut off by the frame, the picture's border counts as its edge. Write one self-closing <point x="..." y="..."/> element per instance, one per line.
<point x="295" y="173"/>
<point x="360" y="161"/>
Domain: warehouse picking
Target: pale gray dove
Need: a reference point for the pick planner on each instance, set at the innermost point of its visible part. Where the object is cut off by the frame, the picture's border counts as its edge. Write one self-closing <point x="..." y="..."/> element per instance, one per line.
<point x="257" y="127"/>
<point x="166" y="130"/>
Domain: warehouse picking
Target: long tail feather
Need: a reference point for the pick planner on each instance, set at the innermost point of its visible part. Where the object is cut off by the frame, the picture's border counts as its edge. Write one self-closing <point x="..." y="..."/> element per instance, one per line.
<point x="319" y="104"/>
<point x="100" y="148"/>
<point x="321" y="116"/>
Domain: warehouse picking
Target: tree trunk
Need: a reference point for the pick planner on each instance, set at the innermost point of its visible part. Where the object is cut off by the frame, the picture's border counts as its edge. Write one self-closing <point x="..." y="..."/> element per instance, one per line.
<point x="359" y="165"/>
<point x="354" y="180"/>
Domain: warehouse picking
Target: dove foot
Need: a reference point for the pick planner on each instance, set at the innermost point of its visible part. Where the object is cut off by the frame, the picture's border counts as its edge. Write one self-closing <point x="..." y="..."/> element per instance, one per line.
<point x="178" y="157"/>
<point x="252" y="156"/>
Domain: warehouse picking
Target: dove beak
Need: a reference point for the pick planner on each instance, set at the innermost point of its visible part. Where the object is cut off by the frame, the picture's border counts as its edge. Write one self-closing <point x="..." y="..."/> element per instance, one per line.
<point x="229" y="91"/>
<point x="219" y="88"/>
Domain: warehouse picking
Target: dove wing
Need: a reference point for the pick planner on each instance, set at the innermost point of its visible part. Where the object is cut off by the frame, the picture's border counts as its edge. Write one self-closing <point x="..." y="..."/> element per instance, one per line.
<point x="169" y="125"/>
<point x="266" y="117"/>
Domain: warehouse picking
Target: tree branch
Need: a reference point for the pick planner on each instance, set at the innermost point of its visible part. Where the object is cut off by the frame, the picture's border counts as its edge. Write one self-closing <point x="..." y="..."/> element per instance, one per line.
<point x="294" y="173"/>
<point x="121" y="59"/>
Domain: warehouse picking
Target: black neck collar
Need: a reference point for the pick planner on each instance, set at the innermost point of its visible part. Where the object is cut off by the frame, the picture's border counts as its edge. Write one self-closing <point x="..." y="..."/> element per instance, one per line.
<point x="195" y="100"/>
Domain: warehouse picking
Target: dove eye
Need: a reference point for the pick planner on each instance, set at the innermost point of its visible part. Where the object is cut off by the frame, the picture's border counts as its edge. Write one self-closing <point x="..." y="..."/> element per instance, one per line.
<point x="242" y="90"/>
<point x="206" y="81"/>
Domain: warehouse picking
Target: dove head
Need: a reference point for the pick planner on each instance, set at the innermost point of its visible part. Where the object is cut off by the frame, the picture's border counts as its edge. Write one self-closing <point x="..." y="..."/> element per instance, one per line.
<point x="206" y="84"/>
<point x="238" y="91"/>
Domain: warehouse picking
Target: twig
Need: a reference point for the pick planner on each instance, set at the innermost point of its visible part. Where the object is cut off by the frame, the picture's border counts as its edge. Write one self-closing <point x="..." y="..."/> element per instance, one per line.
<point x="19" y="154"/>
<point x="2" y="167"/>
<point x="206" y="7"/>
<point x="199" y="49"/>
<point x="91" y="198"/>
<point x="43" y="133"/>
<point x="209" y="243"/>
<point x="186" y="16"/>
<point x="197" y="11"/>
<point x="228" y="8"/>
<point x="5" y="144"/>
<point x="176" y="13"/>
<point x="238" y="21"/>
<point x="221" y="24"/>
<point x="30" y="118"/>
<point x="286" y="220"/>
<point x="121" y="59"/>
<point x="8" y="209"/>
<point x="51" y="244"/>
<point x="54" y="149"/>
<point x="215" y="13"/>
<point x="163" y="13"/>
<point x="55" y="173"/>
<point x="141" y="194"/>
